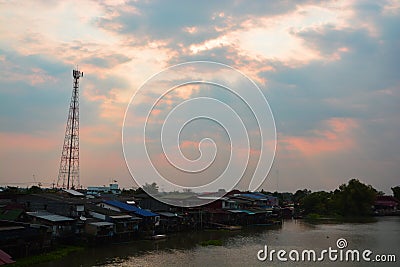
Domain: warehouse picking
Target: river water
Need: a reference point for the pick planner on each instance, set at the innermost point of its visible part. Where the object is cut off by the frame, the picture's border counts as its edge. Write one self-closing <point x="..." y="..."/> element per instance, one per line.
<point x="240" y="248"/>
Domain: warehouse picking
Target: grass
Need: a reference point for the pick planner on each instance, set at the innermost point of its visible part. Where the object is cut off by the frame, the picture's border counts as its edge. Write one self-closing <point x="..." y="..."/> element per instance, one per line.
<point x="213" y="242"/>
<point x="45" y="257"/>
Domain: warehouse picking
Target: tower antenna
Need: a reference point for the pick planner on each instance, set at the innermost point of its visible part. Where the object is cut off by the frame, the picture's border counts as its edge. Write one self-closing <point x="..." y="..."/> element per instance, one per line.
<point x="68" y="174"/>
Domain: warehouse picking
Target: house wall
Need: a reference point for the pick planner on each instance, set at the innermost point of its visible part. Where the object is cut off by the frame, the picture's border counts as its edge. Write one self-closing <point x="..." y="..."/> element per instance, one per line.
<point x="97" y="215"/>
<point x="36" y="203"/>
<point x="106" y="206"/>
<point x="98" y="230"/>
<point x="152" y="204"/>
<point x="229" y="205"/>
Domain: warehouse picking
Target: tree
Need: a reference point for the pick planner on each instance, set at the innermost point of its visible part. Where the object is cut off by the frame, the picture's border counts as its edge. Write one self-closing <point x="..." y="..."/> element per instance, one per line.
<point x="34" y="190"/>
<point x="300" y="194"/>
<point x="128" y="192"/>
<point x="279" y="196"/>
<point x="151" y="188"/>
<point x="317" y="202"/>
<point x="396" y="192"/>
<point x="354" y="199"/>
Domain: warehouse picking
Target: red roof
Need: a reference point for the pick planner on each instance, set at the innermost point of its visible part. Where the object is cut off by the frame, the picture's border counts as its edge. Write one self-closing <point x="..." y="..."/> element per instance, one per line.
<point x="5" y="258"/>
<point x="386" y="203"/>
<point x="386" y="198"/>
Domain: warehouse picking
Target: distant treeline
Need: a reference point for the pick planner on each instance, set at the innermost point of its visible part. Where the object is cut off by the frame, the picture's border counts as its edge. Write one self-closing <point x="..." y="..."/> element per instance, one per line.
<point x="353" y="199"/>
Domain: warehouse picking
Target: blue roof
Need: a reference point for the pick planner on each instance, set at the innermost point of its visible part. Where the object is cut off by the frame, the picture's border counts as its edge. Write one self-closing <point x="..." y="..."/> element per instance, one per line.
<point x="127" y="207"/>
<point x="259" y="194"/>
<point x="242" y="211"/>
<point x="264" y="195"/>
<point x="254" y="196"/>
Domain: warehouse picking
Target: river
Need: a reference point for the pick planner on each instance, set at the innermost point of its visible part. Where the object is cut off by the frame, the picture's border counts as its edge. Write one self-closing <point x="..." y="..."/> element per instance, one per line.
<point x="240" y="248"/>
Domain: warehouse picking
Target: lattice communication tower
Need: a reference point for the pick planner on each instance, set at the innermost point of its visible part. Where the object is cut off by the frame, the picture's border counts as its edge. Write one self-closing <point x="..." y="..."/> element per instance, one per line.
<point x="68" y="175"/>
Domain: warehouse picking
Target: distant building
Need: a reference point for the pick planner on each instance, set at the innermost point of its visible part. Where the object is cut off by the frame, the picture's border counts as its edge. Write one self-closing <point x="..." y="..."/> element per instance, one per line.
<point x="386" y="205"/>
<point x="99" y="190"/>
<point x="256" y="199"/>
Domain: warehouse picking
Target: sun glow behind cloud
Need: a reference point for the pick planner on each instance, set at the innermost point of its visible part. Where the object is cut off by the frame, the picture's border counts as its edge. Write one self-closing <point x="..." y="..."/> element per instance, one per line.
<point x="275" y="37"/>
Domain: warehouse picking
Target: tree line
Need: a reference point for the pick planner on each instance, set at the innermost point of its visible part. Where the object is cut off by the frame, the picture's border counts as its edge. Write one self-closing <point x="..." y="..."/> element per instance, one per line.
<point x="354" y="199"/>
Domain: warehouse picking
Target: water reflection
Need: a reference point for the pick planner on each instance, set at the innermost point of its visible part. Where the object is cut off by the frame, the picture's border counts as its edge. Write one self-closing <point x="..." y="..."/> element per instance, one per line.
<point x="240" y="248"/>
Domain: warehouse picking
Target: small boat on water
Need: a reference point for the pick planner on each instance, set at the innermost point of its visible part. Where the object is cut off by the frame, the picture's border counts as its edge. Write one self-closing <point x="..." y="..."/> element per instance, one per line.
<point x="226" y="227"/>
<point x="156" y="237"/>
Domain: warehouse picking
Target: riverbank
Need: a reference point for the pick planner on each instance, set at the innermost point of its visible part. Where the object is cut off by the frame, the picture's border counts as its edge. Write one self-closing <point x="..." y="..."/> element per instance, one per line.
<point x="209" y="237"/>
<point x="239" y="248"/>
<point x="57" y="254"/>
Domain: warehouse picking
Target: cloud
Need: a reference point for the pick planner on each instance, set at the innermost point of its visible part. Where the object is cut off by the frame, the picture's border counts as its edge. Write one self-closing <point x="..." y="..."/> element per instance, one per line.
<point x="106" y="61"/>
<point x="191" y="28"/>
<point x="335" y="135"/>
<point x="27" y="142"/>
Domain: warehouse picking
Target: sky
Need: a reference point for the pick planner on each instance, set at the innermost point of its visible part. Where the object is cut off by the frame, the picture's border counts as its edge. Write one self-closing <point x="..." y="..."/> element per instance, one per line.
<point x="329" y="70"/>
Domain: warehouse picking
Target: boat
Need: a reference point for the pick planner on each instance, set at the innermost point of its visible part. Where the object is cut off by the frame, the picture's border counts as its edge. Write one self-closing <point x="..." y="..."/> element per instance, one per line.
<point x="232" y="227"/>
<point x="156" y="237"/>
<point x="226" y="227"/>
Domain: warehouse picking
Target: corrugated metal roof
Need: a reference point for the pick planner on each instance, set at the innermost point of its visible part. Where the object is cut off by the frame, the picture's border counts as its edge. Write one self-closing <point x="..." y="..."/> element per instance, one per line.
<point x="127" y="207"/>
<point x="73" y="192"/>
<point x="49" y="216"/>
<point x="241" y="201"/>
<point x="101" y="223"/>
<point x="59" y="198"/>
<point x="256" y="211"/>
<point x="121" y="217"/>
<point x="104" y="211"/>
<point x="179" y="196"/>
<point x="212" y="197"/>
<point x="254" y="196"/>
<point x="242" y="211"/>
<point x="167" y="214"/>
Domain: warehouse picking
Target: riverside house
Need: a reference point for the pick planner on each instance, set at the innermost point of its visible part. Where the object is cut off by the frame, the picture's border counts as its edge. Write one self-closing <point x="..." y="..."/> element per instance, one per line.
<point x="149" y="219"/>
<point x="124" y="226"/>
<point x="61" y="226"/>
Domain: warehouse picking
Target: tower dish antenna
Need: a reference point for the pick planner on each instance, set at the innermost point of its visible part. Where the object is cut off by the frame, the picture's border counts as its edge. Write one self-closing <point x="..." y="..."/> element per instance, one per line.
<point x="68" y="174"/>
